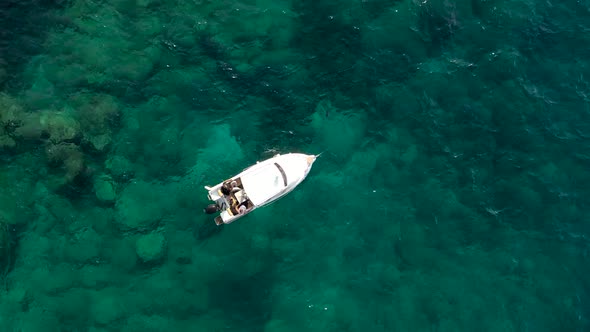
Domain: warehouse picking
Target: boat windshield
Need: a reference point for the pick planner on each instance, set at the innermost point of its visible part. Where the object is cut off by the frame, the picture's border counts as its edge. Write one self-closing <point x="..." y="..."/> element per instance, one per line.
<point x="282" y="173"/>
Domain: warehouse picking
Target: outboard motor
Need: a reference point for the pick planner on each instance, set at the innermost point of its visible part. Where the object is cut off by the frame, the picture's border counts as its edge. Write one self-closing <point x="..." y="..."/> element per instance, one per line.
<point x="211" y="208"/>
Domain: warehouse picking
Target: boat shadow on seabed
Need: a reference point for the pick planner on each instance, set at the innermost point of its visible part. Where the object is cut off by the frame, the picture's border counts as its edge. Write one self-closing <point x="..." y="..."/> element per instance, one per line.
<point x="206" y="230"/>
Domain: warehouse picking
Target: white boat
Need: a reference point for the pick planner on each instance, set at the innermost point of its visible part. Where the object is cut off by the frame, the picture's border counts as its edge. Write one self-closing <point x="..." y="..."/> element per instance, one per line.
<point x="257" y="186"/>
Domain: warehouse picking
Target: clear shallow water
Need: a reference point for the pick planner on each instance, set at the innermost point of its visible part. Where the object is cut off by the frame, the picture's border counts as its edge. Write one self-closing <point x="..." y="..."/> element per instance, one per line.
<point x="451" y="196"/>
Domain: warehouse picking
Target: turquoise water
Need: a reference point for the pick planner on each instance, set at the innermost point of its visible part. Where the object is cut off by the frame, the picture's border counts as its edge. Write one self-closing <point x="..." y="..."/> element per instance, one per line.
<point x="451" y="196"/>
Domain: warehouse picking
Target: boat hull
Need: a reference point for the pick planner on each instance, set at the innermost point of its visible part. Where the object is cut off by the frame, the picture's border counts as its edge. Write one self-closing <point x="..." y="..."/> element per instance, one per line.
<point x="258" y="185"/>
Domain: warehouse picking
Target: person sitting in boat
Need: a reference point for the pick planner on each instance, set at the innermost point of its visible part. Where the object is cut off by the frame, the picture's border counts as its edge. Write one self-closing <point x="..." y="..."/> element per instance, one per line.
<point x="234" y="187"/>
<point x="242" y="208"/>
<point x="231" y="187"/>
<point x="225" y="191"/>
